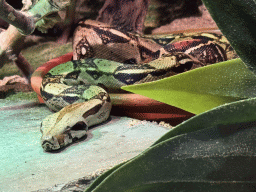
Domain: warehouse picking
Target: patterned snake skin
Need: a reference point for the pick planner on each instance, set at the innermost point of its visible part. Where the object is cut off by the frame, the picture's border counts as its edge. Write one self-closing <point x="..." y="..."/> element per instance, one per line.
<point x="106" y="59"/>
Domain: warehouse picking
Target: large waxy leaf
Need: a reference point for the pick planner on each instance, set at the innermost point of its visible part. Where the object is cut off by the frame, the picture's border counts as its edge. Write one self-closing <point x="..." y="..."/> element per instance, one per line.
<point x="200" y="154"/>
<point x="202" y="89"/>
<point x="213" y="151"/>
<point x="236" y="20"/>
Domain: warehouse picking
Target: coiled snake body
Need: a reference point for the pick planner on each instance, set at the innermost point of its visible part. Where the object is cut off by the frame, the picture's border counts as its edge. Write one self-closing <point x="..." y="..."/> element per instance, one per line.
<point x="105" y="58"/>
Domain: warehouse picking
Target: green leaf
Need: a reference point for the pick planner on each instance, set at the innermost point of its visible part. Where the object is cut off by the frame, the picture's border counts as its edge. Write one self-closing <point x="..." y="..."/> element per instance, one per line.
<point x="237" y="20"/>
<point x="202" y="89"/>
<point x="229" y="114"/>
<point x="200" y="154"/>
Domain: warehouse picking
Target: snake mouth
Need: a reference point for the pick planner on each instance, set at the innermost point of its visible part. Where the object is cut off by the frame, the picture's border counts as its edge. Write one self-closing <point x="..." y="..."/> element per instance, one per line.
<point x="48" y="146"/>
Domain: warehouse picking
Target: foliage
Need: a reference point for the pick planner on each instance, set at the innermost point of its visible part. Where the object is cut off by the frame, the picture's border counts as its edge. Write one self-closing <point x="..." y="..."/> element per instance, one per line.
<point x="195" y="153"/>
<point x="215" y="149"/>
<point x="237" y="21"/>
<point x="212" y="86"/>
<point x="202" y="89"/>
<point x="45" y="12"/>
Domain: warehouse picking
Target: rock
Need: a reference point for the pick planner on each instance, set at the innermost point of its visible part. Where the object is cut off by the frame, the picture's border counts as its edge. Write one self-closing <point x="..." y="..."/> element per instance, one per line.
<point x="13" y="84"/>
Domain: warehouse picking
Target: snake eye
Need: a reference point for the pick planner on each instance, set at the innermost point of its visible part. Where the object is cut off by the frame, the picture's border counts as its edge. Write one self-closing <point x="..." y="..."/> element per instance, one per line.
<point x="79" y="126"/>
<point x="77" y="131"/>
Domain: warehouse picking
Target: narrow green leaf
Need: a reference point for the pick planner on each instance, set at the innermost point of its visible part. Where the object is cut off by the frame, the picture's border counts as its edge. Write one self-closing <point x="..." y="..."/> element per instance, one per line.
<point x="202" y="152"/>
<point x="202" y="89"/>
<point x="237" y="20"/>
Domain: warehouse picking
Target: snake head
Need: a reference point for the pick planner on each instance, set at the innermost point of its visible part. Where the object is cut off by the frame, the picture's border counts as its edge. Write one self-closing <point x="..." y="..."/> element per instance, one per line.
<point x="71" y="123"/>
<point x="59" y="134"/>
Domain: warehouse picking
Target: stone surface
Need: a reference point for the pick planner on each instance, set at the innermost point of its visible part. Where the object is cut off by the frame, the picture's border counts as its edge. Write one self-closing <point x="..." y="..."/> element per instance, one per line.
<point x="24" y="166"/>
<point x="13" y="84"/>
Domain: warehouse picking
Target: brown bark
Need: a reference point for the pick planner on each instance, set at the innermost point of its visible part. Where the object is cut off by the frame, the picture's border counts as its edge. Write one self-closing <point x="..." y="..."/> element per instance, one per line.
<point x="25" y="68"/>
<point x="11" y="42"/>
<point x="126" y="15"/>
<point x="23" y="22"/>
<point x="41" y="15"/>
<point x="68" y="22"/>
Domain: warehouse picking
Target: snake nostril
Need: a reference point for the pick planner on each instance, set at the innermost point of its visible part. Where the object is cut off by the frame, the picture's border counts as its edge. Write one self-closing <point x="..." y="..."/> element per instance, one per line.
<point x="47" y="147"/>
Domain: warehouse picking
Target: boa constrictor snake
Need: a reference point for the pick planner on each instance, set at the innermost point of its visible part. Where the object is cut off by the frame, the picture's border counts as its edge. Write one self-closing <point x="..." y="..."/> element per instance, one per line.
<point x="105" y="58"/>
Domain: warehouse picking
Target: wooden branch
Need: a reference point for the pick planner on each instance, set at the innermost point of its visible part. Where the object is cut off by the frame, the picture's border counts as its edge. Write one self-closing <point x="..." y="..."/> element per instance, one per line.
<point x="126" y="15"/>
<point x="27" y="21"/>
<point x="11" y="42"/>
<point x="25" y="68"/>
<point x="68" y="22"/>
<point x="23" y="22"/>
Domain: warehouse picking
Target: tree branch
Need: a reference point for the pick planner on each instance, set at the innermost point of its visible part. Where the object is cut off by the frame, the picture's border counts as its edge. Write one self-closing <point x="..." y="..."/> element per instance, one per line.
<point x="36" y="13"/>
<point x="126" y="15"/>
<point x="24" y="23"/>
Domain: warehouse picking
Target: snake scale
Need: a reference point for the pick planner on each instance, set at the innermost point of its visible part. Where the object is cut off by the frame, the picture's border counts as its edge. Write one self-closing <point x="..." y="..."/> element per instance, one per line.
<point x="105" y="59"/>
